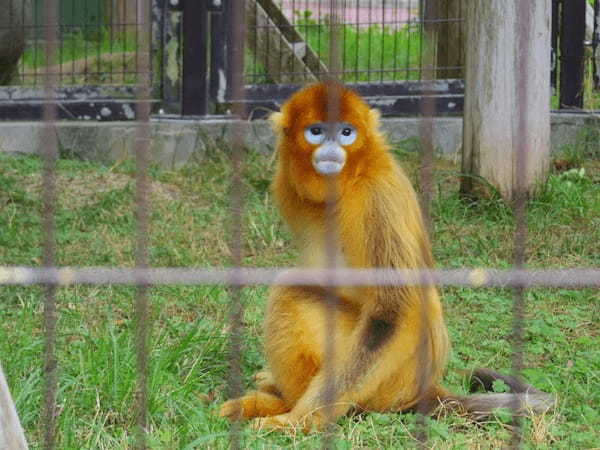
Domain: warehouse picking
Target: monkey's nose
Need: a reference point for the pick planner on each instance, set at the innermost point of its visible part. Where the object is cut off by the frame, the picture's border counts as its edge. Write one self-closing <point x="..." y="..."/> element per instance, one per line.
<point x="329" y="159"/>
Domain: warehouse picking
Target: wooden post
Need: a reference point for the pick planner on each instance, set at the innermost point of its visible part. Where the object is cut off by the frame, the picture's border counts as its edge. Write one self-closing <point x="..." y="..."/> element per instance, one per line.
<point x="491" y="118"/>
<point x="11" y="432"/>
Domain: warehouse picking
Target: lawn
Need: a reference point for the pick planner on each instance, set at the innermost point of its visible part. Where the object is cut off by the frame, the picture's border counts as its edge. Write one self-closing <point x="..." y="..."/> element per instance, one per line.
<point x="189" y="344"/>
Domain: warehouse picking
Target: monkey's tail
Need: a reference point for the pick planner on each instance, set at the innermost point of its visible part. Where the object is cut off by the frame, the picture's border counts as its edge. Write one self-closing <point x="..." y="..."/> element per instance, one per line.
<point x="523" y="398"/>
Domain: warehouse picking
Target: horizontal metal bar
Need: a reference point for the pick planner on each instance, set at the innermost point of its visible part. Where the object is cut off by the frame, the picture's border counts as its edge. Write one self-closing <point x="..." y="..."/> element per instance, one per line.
<point x="22" y="93"/>
<point x="475" y="277"/>
<point x="108" y="110"/>
<point x="406" y="88"/>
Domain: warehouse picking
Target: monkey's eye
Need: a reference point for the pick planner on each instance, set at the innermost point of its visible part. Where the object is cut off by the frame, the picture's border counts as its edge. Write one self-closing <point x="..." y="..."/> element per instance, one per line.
<point x="347" y="135"/>
<point x="314" y="134"/>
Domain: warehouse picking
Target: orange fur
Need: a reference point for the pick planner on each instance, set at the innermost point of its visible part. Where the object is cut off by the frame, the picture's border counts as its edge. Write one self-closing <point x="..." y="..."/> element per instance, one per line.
<point x="390" y="343"/>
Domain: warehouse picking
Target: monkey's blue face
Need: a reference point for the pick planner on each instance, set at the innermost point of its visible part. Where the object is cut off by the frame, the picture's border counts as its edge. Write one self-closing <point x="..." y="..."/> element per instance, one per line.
<point x="329" y="155"/>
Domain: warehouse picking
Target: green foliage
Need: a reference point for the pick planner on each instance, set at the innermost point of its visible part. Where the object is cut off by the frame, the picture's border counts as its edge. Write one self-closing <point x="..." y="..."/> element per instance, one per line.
<point x="370" y="52"/>
<point x="373" y="47"/>
<point x="189" y="360"/>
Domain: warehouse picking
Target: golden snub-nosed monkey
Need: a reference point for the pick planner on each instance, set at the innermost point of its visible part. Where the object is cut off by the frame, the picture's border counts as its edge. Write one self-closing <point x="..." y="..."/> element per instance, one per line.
<point x="390" y="343"/>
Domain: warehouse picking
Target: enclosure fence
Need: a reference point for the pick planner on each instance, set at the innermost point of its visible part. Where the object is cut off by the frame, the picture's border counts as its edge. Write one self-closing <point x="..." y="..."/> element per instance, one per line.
<point x="392" y="51"/>
<point x="51" y="276"/>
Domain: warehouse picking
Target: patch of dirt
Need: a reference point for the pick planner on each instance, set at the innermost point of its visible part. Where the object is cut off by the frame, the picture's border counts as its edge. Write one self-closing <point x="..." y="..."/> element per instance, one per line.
<point x="86" y="188"/>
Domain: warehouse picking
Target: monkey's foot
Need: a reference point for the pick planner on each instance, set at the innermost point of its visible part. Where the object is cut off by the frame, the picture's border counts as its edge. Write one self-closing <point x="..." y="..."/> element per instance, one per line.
<point x="253" y="404"/>
<point x="281" y="422"/>
<point x="232" y="409"/>
<point x="285" y="422"/>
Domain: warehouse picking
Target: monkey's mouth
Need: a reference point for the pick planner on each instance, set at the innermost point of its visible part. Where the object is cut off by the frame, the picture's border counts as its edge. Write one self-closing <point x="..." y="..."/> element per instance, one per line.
<point x="329" y="159"/>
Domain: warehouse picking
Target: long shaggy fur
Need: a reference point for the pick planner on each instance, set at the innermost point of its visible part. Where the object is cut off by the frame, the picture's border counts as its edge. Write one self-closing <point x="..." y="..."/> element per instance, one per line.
<point x="390" y="343"/>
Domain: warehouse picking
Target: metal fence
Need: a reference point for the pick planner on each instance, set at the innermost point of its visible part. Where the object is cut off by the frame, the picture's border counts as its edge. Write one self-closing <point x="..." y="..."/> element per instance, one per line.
<point x="575" y="51"/>
<point x="96" y="65"/>
<point x="97" y="42"/>
<point x="51" y="277"/>
<point x="392" y="51"/>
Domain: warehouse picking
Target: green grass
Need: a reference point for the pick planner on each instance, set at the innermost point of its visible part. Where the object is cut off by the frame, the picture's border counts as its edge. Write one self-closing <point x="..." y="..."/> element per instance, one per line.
<point x="382" y="49"/>
<point x="100" y="56"/>
<point x="371" y="53"/>
<point x="189" y="345"/>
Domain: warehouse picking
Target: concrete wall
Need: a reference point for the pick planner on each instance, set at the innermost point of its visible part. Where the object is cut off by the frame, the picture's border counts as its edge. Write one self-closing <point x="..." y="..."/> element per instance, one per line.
<point x="177" y="142"/>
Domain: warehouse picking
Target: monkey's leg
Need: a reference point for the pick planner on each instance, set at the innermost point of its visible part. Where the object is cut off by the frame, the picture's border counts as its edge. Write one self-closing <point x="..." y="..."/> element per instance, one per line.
<point x="292" y="353"/>
<point x="253" y="404"/>
<point x="384" y="365"/>
<point x="294" y="333"/>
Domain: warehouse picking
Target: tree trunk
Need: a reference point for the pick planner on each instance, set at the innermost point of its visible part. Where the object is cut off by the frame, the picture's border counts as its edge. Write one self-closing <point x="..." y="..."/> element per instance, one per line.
<point x="507" y="85"/>
<point x="14" y="20"/>
<point x="445" y="28"/>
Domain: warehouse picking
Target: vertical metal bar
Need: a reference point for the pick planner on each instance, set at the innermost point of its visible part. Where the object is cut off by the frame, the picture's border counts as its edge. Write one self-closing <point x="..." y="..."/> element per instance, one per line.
<point x="370" y="33"/>
<point x="124" y="31"/>
<point x="171" y="63"/>
<point x="356" y="62"/>
<point x="98" y="32"/>
<point x="61" y="27"/>
<point x="84" y="26"/>
<point x="36" y="13"/>
<point x="218" y="49"/>
<point x="427" y="109"/>
<point x="572" y="54"/>
<point x="596" y="45"/>
<point x="396" y="36"/>
<point x="195" y="57"/>
<point x="520" y="206"/>
<point x="555" y="33"/>
<point x="49" y="156"/>
<point x="136" y="30"/>
<point x="383" y="32"/>
<point x="72" y="29"/>
<point x="236" y="66"/>
<point x="157" y="39"/>
<point x="331" y="230"/>
<point x="409" y="32"/>
<point x="111" y="40"/>
<point x="142" y="214"/>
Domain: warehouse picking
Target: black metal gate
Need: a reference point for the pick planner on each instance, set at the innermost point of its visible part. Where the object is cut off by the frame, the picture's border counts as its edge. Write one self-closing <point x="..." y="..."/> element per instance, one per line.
<point x="394" y="52"/>
<point x="96" y="64"/>
<point x="383" y="54"/>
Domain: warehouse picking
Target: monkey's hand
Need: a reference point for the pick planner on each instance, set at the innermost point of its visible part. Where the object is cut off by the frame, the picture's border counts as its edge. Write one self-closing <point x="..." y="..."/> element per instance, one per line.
<point x="265" y="382"/>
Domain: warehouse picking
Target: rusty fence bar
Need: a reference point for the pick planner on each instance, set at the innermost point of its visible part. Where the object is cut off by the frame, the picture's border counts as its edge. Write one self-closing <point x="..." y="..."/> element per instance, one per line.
<point x="142" y="227"/>
<point x="520" y="212"/>
<point x="236" y="48"/>
<point x="49" y="155"/>
<point x="247" y="276"/>
<point x="333" y="115"/>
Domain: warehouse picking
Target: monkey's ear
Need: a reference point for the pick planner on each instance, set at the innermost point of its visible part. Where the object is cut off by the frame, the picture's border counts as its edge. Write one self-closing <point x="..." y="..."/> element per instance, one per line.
<point x="276" y="119"/>
<point x="374" y="116"/>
